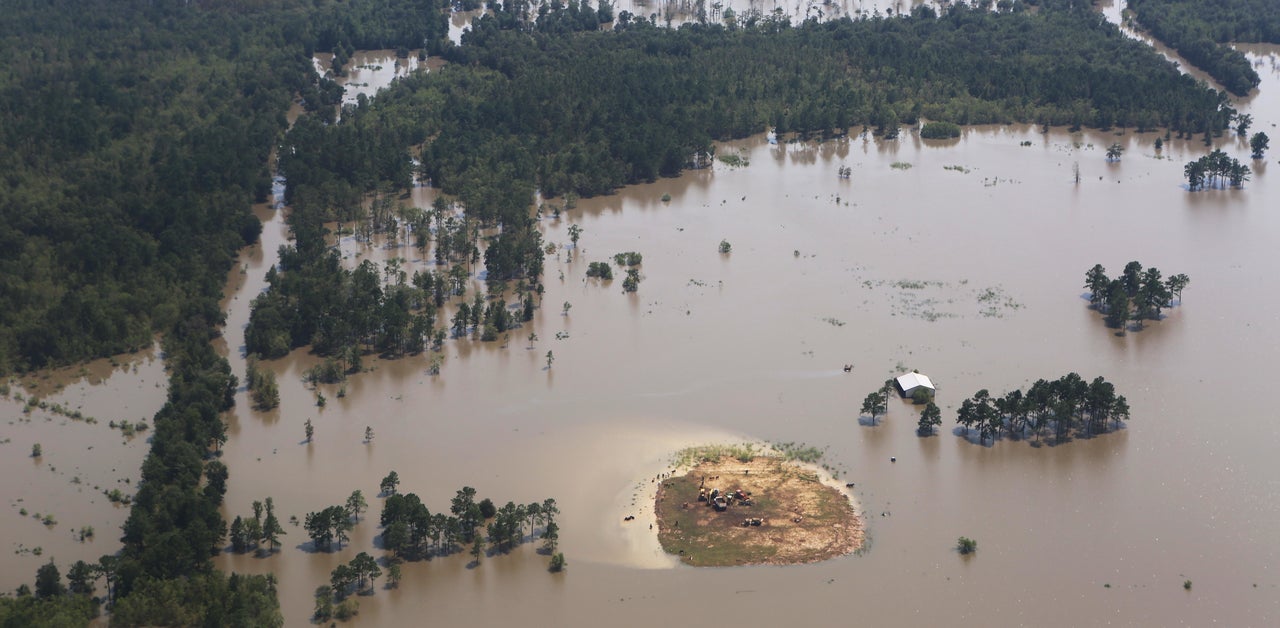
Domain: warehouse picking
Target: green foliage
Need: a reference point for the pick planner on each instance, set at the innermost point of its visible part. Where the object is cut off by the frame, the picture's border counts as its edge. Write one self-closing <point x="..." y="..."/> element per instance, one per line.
<point x="798" y="451"/>
<point x="631" y="282"/>
<point x="601" y="270"/>
<point x="725" y="247"/>
<point x="930" y="419"/>
<point x="61" y="610"/>
<point x="938" y="130"/>
<point x="966" y="545"/>
<point x="557" y="562"/>
<point x="1137" y="295"/>
<point x="629" y="258"/>
<point x="1068" y="404"/>
<point x="1259" y="144"/>
<point x="37" y="451"/>
<point x="1199" y="30"/>
<point x="209" y="599"/>
<point x="262" y="385"/>
<point x="875" y="404"/>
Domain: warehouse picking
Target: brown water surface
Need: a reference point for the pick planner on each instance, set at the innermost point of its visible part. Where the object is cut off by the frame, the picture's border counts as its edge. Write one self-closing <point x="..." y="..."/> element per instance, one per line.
<point x="967" y="265"/>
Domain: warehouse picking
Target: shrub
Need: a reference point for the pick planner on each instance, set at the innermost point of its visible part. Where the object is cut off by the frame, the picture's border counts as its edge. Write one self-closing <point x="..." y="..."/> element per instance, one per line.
<point x="940" y="130"/>
<point x="966" y="545"/>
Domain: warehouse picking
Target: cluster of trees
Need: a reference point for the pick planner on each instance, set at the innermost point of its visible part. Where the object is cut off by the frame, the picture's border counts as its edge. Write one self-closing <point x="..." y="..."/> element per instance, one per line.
<point x="412" y="532"/>
<point x="1137" y="294"/>
<point x="937" y="130"/>
<point x="263" y="528"/>
<point x="1215" y="170"/>
<point x="1259" y="144"/>
<point x="263" y="389"/>
<point x="1068" y="405"/>
<point x="1199" y="31"/>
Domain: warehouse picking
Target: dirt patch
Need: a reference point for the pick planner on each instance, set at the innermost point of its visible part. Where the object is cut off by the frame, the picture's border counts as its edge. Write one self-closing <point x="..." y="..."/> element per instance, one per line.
<point x="800" y="520"/>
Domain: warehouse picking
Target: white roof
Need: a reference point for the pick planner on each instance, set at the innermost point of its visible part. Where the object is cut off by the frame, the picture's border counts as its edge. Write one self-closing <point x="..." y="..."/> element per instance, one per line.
<point x="914" y="380"/>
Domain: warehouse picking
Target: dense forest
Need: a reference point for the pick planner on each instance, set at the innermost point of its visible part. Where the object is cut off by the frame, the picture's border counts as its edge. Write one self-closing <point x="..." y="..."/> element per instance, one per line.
<point x="1198" y="30"/>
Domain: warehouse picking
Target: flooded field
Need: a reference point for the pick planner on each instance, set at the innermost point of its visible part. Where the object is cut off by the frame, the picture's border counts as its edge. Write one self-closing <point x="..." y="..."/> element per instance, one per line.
<point x="963" y="259"/>
<point x="92" y="423"/>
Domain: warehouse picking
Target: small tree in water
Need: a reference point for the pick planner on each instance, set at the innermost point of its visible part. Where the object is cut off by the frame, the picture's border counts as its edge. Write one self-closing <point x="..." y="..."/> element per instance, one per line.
<point x="966" y="545"/>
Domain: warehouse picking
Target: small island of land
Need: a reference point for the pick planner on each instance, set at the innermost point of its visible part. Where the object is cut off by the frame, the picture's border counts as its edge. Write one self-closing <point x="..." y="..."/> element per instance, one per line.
<point x="764" y="510"/>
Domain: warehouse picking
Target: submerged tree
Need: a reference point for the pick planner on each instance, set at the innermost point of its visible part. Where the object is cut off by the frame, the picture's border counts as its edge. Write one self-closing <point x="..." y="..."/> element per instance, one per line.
<point x="874" y="405"/>
<point x="930" y="418"/>
<point x="1259" y="144"/>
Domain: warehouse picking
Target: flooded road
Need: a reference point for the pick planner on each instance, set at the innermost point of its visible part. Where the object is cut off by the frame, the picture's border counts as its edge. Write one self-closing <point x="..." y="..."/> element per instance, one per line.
<point x="967" y="265"/>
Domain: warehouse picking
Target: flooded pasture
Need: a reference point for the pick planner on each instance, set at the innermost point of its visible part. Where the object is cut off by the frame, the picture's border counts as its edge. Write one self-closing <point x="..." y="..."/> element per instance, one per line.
<point x="963" y="259"/>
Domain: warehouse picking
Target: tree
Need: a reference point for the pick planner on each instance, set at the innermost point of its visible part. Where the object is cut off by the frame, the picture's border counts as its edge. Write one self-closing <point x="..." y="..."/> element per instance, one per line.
<point x="1096" y="281"/>
<point x="393" y="575"/>
<point x="551" y="536"/>
<point x="366" y="569"/>
<point x="1195" y="173"/>
<point x="477" y="548"/>
<point x="37" y="451"/>
<point x="575" y="232"/>
<point x="48" y="581"/>
<point x="874" y="405"/>
<point x="271" y="528"/>
<point x="725" y="247"/>
<point x="1114" y="151"/>
<point x="557" y="562"/>
<point x="356" y="504"/>
<point x="80" y="578"/>
<point x="308" y="430"/>
<point x="930" y="418"/>
<point x="550" y="358"/>
<point x="239" y="542"/>
<point x="966" y="545"/>
<point x="389" y="484"/>
<point x="324" y="603"/>
<point x="1259" y="143"/>
<point x="1243" y="122"/>
<point x="1176" y="284"/>
<point x="368" y="434"/>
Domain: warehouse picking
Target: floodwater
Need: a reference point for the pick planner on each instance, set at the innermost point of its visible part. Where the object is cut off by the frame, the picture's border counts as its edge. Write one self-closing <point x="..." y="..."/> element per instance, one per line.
<point x="967" y="265"/>
<point x="81" y="459"/>
<point x="883" y="271"/>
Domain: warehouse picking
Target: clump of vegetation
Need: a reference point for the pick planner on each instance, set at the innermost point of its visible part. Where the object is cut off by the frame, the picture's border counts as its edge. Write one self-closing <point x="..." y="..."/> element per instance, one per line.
<point x="1068" y="404"/>
<point x="600" y="270"/>
<point x="632" y="281"/>
<point x="1215" y="170"/>
<point x="798" y="452"/>
<point x="629" y="258"/>
<point x="1186" y="584"/>
<point x="900" y="165"/>
<point x="966" y="545"/>
<point x="939" y="130"/>
<point x="37" y="451"/>
<point x="725" y="247"/>
<point x="557" y="562"/>
<point x="734" y="160"/>
<point x="666" y="198"/>
<point x="930" y="418"/>
<point x="262" y="385"/>
<point x="1136" y="295"/>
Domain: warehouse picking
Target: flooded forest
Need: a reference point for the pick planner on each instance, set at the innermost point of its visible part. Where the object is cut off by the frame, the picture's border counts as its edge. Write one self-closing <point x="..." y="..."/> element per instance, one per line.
<point x="388" y="312"/>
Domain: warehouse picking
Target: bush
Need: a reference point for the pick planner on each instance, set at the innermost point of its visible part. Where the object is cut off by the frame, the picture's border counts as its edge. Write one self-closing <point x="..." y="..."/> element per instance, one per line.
<point x="966" y="545"/>
<point x="601" y="270"/>
<point x="725" y="247"/>
<point x="940" y="130"/>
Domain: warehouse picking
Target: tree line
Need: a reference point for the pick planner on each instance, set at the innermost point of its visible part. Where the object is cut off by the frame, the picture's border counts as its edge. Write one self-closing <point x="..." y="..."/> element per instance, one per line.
<point x="1199" y="31"/>
<point x="1138" y="294"/>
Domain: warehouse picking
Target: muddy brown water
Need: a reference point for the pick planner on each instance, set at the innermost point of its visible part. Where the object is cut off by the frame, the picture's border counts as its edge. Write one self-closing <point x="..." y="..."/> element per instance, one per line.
<point x="882" y="271"/>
